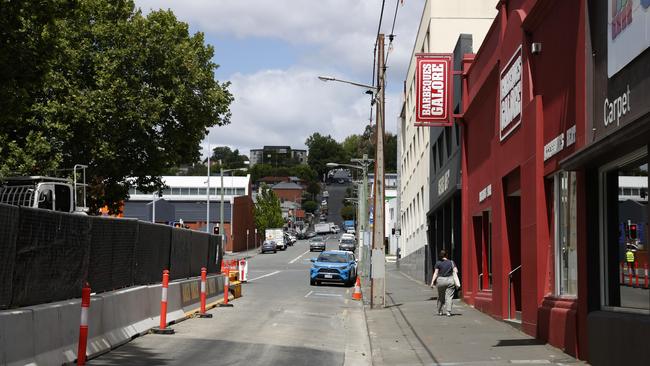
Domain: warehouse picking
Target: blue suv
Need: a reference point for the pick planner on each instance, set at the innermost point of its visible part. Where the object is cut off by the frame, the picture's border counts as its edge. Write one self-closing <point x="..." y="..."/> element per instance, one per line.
<point x="334" y="266"/>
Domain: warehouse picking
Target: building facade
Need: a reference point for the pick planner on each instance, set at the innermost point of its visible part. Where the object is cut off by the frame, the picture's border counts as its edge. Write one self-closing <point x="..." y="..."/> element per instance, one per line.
<point x="441" y="24"/>
<point x="524" y="112"/>
<point x="184" y="199"/>
<point x="613" y="205"/>
<point x="278" y="156"/>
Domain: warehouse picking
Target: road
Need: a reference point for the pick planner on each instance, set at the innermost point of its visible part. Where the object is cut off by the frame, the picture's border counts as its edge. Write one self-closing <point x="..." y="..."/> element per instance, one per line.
<point x="280" y="320"/>
<point x="335" y="202"/>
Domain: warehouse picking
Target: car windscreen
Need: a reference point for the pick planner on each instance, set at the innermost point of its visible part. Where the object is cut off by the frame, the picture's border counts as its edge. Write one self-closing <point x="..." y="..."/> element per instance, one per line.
<point x="316" y="239"/>
<point x="332" y="258"/>
<point x="347" y="241"/>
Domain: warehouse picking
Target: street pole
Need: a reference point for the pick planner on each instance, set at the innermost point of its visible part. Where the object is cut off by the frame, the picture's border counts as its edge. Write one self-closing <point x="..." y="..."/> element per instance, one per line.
<point x="222" y="231"/>
<point x="378" y="281"/>
<point x="207" y="202"/>
<point x="153" y="209"/>
<point x="247" y="240"/>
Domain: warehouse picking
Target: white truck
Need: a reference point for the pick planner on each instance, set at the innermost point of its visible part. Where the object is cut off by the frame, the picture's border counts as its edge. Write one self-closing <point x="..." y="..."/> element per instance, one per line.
<point x="277" y="235"/>
<point x="323" y="228"/>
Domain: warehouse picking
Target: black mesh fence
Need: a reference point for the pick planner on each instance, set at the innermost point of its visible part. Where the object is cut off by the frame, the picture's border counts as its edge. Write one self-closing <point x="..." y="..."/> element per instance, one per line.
<point x="52" y="256"/>
<point x="8" y="231"/>
<point x="47" y="256"/>
<point x="112" y="253"/>
<point x="152" y="252"/>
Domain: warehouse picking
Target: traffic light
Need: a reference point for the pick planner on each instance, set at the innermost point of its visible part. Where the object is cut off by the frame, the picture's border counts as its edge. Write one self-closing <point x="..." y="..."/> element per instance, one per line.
<point x="215" y="230"/>
<point x="633" y="233"/>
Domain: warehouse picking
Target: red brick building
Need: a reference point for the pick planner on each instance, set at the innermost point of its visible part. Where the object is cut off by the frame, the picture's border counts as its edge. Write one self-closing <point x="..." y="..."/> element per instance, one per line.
<point x="288" y="192"/>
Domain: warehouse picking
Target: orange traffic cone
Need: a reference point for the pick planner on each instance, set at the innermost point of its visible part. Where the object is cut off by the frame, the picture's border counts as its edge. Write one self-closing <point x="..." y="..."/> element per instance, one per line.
<point x="356" y="295"/>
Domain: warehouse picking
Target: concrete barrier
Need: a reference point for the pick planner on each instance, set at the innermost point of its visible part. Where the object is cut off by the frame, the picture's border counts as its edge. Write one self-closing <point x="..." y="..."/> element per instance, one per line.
<point x="47" y="334"/>
<point x="16" y="333"/>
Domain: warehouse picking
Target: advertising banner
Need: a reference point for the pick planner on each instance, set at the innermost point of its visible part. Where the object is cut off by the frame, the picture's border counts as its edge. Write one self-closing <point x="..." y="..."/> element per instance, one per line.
<point x="628" y="32"/>
<point x="510" y="85"/>
<point x="433" y="82"/>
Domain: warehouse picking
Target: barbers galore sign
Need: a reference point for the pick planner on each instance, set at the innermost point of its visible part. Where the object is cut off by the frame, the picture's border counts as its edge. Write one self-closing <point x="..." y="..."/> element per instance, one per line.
<point x="433" y="81"/>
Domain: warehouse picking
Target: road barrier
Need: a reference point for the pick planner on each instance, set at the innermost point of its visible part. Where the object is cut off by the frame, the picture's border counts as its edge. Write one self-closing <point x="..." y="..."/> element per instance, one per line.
<point x="645" y="270"/>
<point x="243" y="270"/>
<point x="162" y="328"/>
<point x="83" y="325"/>
<point x="226" y="292"/>
<point x="202" y="313"/>
<point x="356" y="295"/>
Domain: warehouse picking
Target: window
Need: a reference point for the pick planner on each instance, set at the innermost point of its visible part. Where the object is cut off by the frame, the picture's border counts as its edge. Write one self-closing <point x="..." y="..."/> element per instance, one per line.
<point x="448" y="140"/>
<point x="566" y="262"/>
<point x="440" y="150"/>
<point x="623" y="234"/>
<point x="434" y="157"/>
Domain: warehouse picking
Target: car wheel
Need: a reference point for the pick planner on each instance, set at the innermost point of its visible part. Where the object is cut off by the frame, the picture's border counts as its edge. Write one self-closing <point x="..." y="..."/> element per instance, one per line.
<point x="312" y="282"/>
<point x="275" y="251"/>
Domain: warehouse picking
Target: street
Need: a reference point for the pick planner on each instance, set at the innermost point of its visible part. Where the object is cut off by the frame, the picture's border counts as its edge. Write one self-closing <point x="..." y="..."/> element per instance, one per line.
<point x="280" y="320"/>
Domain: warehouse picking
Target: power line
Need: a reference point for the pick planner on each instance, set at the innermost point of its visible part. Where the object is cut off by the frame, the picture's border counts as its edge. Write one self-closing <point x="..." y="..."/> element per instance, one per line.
<point x="374" y="51"/>
<point x="391" y="36"/>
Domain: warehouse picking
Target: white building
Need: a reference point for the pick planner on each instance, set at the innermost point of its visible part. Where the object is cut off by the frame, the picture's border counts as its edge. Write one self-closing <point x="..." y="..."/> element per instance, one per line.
<point x="441" y="23"/>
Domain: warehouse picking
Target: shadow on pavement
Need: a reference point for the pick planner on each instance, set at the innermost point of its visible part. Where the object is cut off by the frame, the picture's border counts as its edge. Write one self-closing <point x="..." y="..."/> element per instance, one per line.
<point x="518" y="342"/>
<point x="192" y="351"/>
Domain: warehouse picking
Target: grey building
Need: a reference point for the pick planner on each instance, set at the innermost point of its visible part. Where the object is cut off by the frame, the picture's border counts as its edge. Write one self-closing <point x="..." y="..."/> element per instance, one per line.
<point x="278" y="156"/>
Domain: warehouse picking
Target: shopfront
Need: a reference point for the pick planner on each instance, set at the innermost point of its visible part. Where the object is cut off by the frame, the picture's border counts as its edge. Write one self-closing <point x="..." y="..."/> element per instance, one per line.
<point x="524" y="102"/>
<point x="614" y="164"/>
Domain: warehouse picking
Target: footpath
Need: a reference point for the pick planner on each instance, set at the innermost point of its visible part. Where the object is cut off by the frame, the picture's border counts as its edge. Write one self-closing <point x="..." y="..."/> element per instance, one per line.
<point x="409" y="332"/>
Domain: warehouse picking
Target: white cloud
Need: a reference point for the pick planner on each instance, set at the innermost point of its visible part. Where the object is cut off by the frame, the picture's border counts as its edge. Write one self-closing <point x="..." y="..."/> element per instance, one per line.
<point x="336" y="37"/>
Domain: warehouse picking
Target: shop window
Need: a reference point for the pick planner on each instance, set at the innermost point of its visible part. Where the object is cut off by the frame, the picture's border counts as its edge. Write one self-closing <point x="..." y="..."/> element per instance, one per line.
<point x="566" y="260"/>
<point x="623" y="235"/>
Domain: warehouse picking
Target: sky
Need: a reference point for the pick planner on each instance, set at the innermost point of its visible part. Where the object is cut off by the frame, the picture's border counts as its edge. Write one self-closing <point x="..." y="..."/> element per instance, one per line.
<point x="272" y="51"/>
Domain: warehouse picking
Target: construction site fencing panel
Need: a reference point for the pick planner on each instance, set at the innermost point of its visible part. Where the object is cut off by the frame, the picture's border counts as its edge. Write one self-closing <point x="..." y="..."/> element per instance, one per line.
<point x="112" y="252"/>
<point x="214" y="254"/>
<point x="52" y="256"/>
<point x="8" y="232"/>
<point x="199" y="251"/>
<point x="152" y="252"/>
<point x="180" y="254"/>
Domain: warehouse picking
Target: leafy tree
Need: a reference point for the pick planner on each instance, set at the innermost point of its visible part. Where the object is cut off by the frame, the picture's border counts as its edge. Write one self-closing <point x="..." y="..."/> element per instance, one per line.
<point x="268" y="213"/>
<point x="390" y="152"/>
<point x="323" y="149"/>
<point x="310" y="206"/>
<point x="348" y="213"/>
<point x="229" y="159"/>
<point x="313" y="188"/>
<point x="129" y="95"/>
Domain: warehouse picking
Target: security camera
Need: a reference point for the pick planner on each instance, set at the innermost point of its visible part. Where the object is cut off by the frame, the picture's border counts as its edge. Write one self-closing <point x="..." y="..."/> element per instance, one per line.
<point x="536" y="48"/>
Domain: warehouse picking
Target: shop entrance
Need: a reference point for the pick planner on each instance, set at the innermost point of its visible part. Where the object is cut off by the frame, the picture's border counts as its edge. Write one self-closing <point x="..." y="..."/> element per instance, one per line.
<point x="512" y="205"/>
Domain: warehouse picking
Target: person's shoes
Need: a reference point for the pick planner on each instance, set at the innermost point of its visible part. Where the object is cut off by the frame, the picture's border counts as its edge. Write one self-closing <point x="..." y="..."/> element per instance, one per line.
<point x="440" y="313"/>
<point x="448" y="314"/>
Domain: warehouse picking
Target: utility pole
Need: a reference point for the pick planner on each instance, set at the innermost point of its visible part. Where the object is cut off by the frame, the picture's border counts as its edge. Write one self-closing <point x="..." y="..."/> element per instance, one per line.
<point x="378" y="262"/>
<point x="207" y="202"/>
<point x="222" y="231"/>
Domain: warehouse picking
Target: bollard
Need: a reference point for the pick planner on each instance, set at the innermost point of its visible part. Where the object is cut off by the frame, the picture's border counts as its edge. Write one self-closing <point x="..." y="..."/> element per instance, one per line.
<point x="204" y="280"/>
<point x="645" y="270"/>
<point x="243" y="270"/>
<point x="162" y="329"/>
<point x="225" y="289"/>
<point x="83" y="326"/>
<point x="636" y="275"/>
<point x="629" y="273"/>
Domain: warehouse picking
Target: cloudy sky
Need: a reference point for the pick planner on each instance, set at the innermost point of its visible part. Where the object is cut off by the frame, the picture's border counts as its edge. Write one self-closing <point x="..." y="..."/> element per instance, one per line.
<point x="273" y="50"/>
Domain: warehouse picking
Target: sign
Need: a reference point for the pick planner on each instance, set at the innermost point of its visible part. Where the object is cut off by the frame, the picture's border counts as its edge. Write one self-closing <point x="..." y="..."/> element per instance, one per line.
<point x="617" y="108"/>
<point x="510" y="86"/>
<point x="627" y="32"/>
<point x="553" y="147"/>
<point x="433" y="76"/>
<point x="485" y="193"/>
<point x="571" y="136"/>
<point x="443" y="183"/>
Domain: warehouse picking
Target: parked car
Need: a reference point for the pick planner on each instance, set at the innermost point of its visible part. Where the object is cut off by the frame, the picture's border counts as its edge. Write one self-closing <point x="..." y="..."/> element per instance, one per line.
<point x="333" y="266"/>
<point x="289" y="239"/>
<point x="351" y="230"/>
<point x="310" y="234"/>
<point x="335" y="229"/>
<point x="346" y="236"/>
<point x="317" y="243"/>
<point x="269" y="246"/>
<point x="326" y="194"/>
<point x="347" y="245"/>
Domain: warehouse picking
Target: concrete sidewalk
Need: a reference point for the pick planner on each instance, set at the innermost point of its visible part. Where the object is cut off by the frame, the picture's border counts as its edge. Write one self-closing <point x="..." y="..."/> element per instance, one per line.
<point x="409" y="332"/>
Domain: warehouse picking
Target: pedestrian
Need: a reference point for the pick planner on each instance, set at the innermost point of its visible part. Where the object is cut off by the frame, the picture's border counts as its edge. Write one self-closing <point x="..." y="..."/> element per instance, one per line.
<point x="443" y="279"/>
<point x="629" y="258"/>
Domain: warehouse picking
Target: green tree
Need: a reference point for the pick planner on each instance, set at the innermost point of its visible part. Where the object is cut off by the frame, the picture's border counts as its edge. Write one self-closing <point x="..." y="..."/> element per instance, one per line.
<point x="230" y="159"/>
<point x="323" y="149"/>
<point x="348" y="213"/>
<point x="268" y="213"/>
<point x="313" y="188"/>
<point x="129" y="95"/>
<point x="310" y="206"/>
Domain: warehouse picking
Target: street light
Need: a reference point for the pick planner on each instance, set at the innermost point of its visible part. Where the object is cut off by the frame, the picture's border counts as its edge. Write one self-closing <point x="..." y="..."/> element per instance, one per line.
<point x="371" y="89"/>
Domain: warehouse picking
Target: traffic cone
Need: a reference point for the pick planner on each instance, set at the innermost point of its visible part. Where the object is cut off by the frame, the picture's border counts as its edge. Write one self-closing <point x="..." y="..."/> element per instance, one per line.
<point x="356" y="295"/>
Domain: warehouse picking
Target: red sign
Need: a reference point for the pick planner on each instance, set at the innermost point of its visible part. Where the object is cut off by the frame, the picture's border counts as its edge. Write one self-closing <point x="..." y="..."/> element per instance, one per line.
<point x="433" y="82"/>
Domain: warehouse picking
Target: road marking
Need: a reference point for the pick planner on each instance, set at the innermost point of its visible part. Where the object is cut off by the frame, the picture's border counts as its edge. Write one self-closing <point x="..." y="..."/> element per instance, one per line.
<point x="323" y="294"/>
<point x="309" y="293"/>
<point x="266" y="275"/>
<point x="298" y="257"/>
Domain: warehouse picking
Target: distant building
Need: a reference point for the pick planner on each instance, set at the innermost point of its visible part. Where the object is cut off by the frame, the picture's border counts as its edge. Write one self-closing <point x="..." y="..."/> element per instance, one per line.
<point x="288" y="191"/>
<point x="278" y="156"/>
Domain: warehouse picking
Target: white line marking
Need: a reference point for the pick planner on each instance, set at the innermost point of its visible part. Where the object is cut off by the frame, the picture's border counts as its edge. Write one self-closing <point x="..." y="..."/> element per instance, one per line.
<point x="309" y="293"/>
<point x="322" y="294"/>
<point x="266" y="275"/>
<point x="530" y="361"/>
<point x="298" y="257"/>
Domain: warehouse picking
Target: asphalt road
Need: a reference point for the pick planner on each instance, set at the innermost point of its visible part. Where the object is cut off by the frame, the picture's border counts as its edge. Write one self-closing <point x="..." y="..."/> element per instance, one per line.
<point x="335" y="202"/>
<point x="280" y="320"/>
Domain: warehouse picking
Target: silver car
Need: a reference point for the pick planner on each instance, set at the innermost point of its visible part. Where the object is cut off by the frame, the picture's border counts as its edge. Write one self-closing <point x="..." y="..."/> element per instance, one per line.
<point x="317" y="243"/>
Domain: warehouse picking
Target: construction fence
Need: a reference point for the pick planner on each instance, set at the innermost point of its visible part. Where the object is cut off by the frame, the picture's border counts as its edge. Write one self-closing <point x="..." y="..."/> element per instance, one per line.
<point x="47" y="256"/>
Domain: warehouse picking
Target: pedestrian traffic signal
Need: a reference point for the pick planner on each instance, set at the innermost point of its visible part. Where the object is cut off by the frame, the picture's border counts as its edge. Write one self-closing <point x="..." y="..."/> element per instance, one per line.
<point x="633" y="233"/>
<point x="215" y="230"/>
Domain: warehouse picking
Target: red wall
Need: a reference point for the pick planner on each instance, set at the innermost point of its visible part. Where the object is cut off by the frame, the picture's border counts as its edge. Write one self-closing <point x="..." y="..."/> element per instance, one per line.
<point x="294" y="195"/>
<point x="553" y="99"/>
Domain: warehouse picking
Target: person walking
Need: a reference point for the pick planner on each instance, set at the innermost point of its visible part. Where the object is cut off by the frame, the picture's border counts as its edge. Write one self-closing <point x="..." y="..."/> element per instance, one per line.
<point x="443" y="279"/>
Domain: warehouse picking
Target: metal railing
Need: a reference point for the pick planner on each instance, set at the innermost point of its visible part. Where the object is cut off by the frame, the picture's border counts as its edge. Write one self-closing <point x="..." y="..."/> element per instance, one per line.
<point x="480" y="282"/>
<point x="510" y="290"/>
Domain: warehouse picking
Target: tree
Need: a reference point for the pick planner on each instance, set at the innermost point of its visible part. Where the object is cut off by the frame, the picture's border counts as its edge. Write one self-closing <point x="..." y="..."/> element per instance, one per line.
<point x="268" y="213"/>
<point x="310" y="206"/>
<point x="348" y="213"/>
<point x="313" y="188"/>
<point x="229" y="159"/>
<point x="323" y="149"/>
<point x="127" y="94"/>
<point x="390" y="152"/>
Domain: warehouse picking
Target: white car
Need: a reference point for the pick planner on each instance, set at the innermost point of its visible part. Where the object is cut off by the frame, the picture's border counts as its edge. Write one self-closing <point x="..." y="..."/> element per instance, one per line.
<point x="351" y="231"/>
<point x="346" y="236"/>
<point x="335" y="229"/>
